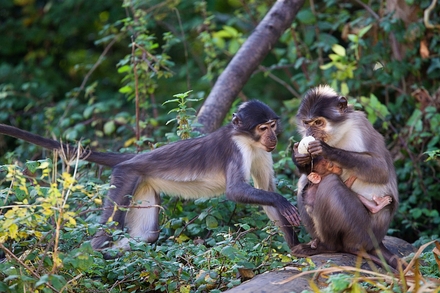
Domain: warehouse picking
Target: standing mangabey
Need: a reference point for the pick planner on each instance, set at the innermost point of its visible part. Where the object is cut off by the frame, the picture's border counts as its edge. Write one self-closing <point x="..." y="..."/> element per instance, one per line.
<point x="322" y="167"/>
<point x="222" y="162"/>
<point x="346" y="138"/>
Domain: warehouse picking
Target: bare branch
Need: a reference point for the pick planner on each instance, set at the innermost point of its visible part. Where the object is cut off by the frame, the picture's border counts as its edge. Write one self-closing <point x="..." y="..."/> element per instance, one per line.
<point x="243" y="64"/>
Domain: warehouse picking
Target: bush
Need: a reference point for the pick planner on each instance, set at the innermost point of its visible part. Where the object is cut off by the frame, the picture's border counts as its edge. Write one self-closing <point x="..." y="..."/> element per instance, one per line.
<point x="104" y="74"/>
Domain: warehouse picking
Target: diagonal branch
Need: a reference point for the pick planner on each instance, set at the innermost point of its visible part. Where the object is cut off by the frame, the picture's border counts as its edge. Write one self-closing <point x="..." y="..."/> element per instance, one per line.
<point x="247" y="59"/>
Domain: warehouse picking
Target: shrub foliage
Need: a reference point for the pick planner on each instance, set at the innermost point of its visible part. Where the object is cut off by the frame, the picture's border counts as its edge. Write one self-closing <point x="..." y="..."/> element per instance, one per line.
<point x="106" y="73"/>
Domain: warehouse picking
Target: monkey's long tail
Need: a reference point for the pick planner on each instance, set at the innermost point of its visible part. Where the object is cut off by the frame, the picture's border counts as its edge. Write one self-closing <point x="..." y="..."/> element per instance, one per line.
<point x="105" y="159"/>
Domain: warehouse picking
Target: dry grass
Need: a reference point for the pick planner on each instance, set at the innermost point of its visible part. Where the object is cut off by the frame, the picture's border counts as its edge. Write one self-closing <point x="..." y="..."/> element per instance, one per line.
<point x="407" y="278"/>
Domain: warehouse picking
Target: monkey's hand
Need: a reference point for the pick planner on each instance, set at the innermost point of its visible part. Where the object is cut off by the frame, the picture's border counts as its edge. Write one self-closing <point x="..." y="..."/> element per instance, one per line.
<point x="317" y="148"/>
<point x="291" y="213"/>
<point x="300" y="159"/>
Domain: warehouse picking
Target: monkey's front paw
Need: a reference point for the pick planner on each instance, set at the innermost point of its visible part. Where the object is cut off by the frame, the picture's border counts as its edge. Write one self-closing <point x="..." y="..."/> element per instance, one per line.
<point x="292" y="215"/>
<point x="302" y="160"/>
<point x="314" y="243"/>
<point x="101" y="240"/>
<point x="315" y="148"/>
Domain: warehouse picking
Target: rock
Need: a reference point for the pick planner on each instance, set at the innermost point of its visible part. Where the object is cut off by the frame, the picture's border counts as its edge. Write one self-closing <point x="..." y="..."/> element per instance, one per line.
<point x="271" y="282"/>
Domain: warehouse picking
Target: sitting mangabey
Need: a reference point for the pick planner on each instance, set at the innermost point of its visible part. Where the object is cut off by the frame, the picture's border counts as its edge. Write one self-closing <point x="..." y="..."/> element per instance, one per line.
<point x="323" y="167"/>
<point x="339" y="219"/>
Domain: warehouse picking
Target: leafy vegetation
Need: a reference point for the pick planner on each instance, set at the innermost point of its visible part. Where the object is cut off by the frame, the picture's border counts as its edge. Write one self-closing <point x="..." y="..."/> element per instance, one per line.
<point x="106" y="74"/>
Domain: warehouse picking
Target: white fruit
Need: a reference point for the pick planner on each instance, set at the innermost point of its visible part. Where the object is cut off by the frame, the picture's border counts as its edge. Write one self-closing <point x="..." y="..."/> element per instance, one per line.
<point x="304" y="143"/>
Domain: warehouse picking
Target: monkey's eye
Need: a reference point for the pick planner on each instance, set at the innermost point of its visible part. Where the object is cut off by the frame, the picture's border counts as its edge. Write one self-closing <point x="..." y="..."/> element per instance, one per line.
<point x="319" y="122"/>
<point x="263" y="128"/>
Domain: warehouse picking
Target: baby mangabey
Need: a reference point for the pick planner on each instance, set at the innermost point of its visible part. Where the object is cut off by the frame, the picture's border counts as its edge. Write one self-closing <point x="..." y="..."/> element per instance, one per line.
<point x="322" y="167"/>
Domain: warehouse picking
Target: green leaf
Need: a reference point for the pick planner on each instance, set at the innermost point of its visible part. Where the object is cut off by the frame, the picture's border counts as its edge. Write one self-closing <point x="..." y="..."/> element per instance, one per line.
<point x="182" y="95"/>
<point x="171" y="101"/>
<point x="364" y="30"/>
<point x="339" y="282"/>
<point x="416" y="213"/>
<point x="126" y="90"/>
<point x="344" y="89"/>
<point x="124" y="68"/>
<point x="306" y="16"/>
<point x="326" y="66"/>
<point x="230" y="252"/>
<point x="32" y="166"/>
<point x="43" y="280"/>
<point x="211" y="222"/>
<point x="338" y="49"/>
<point x="232" y="31"/>
<point x="416" y="116"/>
<point x="335" y="58"/>
<point x="88" y="111"/>
<point x="234" y="45"/>
<point x="353" y="38"/>
<point x="109" y="127"/>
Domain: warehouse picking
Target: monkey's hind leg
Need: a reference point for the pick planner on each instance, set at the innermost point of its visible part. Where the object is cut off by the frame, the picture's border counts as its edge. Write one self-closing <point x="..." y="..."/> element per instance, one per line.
<point x="143" y="217"/>
<point x="312" y="248"/>
<point x="118" y="199"/>
<point x="377" y="204"/>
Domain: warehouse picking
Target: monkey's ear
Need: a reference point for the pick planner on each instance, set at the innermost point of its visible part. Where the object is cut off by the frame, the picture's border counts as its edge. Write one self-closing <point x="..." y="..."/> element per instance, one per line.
<point x="342" y="104"/>
<point x="236" y="121"/>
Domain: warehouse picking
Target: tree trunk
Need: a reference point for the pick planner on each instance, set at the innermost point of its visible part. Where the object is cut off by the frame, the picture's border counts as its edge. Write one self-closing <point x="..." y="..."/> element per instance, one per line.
<point x="248" y="57"/>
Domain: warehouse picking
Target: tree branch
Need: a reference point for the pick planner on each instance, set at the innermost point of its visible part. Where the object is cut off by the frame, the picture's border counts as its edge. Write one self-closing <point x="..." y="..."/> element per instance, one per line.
<point x="243" y="64"/>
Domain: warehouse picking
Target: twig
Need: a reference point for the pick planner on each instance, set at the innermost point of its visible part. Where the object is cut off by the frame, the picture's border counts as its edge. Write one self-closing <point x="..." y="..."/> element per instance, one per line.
<point x="120" y="206"/>
<point x="191" y="221"/>
<point x="100" y="59"/>
<point x="87" y="76"/>
<point x="280" y="81"/>
<point x="368" y="8"/>
<point x="185" y="49"/>
<point x="70" y="281"/>
<point x="426" y="14"/>
<point x="136" y="89"/>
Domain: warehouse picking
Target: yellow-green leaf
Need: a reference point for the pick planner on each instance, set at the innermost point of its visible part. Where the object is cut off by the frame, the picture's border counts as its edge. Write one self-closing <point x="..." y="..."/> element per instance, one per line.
<point x="338" y="49"/>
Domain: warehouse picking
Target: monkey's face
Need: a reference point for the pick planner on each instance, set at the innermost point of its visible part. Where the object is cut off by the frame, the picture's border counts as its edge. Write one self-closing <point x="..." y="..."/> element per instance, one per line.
<point x="324" y="167"/>
<point x="321" y="114"/>
<point x="317" y="127"/>
<point x="266" y="135"/>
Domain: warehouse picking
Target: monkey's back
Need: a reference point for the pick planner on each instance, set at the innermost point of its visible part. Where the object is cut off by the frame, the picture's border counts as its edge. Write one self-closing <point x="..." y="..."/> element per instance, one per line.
<point x="195" y="172"/>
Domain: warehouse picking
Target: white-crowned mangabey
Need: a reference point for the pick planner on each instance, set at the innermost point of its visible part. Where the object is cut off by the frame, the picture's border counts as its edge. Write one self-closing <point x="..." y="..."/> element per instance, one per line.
<point x="222" y="162"/>
<point x="339" y="220"/>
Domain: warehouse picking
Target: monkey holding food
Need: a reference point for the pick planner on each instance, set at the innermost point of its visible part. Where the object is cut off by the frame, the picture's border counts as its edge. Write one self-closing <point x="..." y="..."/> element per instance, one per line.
<point x="322" y="167"/>
<point x="222" y="162"/>
<point x="345" y="137"/>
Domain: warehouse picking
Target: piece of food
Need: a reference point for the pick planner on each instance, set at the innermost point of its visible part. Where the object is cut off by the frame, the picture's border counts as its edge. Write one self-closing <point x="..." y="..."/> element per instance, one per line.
<point x="304" y="144"/>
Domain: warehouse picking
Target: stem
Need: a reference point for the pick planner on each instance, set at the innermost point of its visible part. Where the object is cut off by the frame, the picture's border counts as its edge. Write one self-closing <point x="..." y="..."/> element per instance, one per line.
<point x="136" y="88"/>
